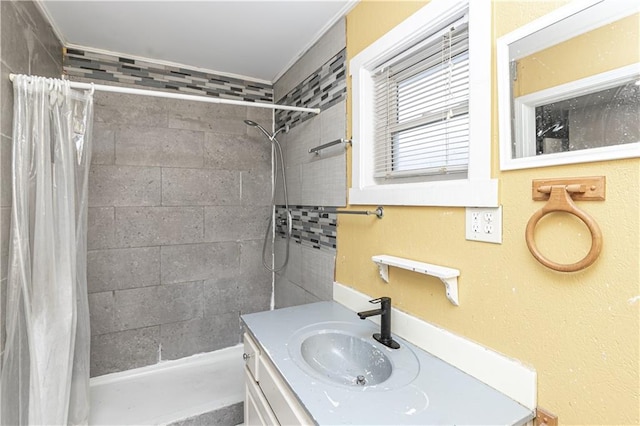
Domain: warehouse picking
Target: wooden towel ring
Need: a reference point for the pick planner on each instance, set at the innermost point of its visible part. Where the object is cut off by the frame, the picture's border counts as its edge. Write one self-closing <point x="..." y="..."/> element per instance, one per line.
<point x="560" y="201"/>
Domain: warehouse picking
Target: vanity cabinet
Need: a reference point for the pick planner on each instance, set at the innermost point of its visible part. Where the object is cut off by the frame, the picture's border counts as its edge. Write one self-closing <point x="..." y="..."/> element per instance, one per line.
<point x="421" y="389"/>
<point x="268" y="399"/>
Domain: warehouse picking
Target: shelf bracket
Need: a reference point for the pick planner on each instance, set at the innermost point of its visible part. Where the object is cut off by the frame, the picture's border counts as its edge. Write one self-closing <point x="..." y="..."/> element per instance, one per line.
<point x="383" y="269"/>
<point x="451" y="288"/>
<point x="448" y="276"/>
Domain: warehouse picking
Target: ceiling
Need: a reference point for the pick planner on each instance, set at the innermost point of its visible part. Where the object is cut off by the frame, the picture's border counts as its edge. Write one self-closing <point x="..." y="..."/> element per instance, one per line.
<point x="255" y="39"/>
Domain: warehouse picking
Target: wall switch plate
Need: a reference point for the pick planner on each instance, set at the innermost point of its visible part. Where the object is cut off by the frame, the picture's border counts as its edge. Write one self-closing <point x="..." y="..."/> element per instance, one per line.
<point x="484" y="224"/>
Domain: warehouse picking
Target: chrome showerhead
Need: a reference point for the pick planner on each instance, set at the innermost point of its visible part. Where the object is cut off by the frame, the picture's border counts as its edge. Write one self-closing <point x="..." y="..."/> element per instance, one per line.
<point x="262" y="129"/>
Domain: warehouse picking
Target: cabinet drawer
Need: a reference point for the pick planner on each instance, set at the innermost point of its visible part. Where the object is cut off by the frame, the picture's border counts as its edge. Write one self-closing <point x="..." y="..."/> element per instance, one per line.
<point x="251" y="355"/>
<point x="281" y="399"/>
<point x="257" y="409"/>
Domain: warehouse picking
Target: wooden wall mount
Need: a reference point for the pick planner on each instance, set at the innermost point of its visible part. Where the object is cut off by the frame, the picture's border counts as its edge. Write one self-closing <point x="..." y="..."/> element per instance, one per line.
<point x="592" y="188"/>
<point x="561" y="193"/>
<point x="545" y="418"/>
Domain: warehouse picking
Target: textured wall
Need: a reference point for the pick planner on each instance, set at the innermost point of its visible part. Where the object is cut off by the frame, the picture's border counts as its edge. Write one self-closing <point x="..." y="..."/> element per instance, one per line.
<point x="316" y="80"/>
<point x="27" y="46"/>
<point x="580" y="331"/>
<point x="578" y="55"/>
<point x="178" y="205"/>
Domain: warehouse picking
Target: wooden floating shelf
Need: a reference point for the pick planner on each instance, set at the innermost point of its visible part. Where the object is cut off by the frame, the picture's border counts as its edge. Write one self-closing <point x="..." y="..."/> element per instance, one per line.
<point x="448" y="276"/>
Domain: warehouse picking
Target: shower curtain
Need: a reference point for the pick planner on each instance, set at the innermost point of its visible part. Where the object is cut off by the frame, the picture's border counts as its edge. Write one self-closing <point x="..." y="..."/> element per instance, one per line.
<point x="45" y="365"/>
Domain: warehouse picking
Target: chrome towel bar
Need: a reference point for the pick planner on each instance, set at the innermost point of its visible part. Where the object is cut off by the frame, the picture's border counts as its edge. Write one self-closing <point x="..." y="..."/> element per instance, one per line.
<point x="379" y="211"/>
<point x="319" y="148"/>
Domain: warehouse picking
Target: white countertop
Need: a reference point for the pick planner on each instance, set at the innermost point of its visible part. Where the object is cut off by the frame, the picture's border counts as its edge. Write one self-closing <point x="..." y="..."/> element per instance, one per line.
<point x="440" y="393"/>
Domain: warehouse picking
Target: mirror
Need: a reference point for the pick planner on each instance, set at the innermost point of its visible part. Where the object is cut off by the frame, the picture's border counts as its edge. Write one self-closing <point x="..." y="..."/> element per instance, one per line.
<point x="569" y="86"/>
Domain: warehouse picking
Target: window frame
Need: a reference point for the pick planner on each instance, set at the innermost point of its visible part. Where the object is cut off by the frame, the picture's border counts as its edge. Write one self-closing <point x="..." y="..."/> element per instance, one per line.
<point x="525" y="124"/>
<point x="477" y="189"/>
<point x="564" y="23"/>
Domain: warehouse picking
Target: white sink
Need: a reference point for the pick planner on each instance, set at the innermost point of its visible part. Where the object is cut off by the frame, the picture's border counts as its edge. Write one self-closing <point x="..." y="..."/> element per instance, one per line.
<point x="346" y="359"/>
<point x="346" y="355"/>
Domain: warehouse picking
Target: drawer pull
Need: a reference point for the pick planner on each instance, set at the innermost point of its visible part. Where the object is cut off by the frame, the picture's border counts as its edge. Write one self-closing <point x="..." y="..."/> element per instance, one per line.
<point x="246" y="356"/>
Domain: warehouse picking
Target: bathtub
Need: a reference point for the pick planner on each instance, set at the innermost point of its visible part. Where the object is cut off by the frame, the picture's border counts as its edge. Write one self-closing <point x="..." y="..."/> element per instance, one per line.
<point x="171" y="391"/>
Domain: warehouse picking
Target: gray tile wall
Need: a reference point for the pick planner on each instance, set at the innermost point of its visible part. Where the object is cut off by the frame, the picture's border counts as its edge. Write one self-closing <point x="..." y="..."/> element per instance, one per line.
<point x="308" y="276"/>
<point x="179" y="201"/>
<point x="312" y="180"/>
<point x="316" y="80"/>
<point x="103" y="67"/>
<point x="176" y="219"/>
<point x="332" y="42"/>
<point x="324" y="88"/>
<point x="28" y="45"/>
<point x="316" y="179"/>
<point x="310" y="226"/>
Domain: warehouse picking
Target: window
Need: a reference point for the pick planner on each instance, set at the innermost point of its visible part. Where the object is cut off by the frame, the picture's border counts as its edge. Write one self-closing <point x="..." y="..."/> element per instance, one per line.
<point x="421" y="110"/>
<point x="569" y="87"/>
<point x="607" y="117"/>
<point x="591" y="119"/>
<point x="422" y="107"/>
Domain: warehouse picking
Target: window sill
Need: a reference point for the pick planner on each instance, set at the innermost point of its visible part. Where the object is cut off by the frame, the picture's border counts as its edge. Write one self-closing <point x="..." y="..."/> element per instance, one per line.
<point x="606" y="153"/>
<point x="458" y="193"/>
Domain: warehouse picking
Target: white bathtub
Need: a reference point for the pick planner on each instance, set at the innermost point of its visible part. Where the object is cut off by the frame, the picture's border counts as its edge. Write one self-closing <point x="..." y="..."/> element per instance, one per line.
<point x="169" y="391"/>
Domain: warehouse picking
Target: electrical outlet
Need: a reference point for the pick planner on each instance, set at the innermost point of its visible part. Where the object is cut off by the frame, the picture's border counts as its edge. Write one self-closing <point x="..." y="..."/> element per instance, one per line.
<point x="484" y="224"/>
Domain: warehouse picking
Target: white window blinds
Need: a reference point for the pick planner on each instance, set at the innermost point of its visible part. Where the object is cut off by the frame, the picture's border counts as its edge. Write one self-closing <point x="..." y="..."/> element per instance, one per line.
<point x="422" y="107"/>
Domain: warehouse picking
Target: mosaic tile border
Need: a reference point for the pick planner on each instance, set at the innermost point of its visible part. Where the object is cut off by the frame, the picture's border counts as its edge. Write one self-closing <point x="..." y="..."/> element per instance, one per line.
<point x="322" y="89"/>
<point x="105" y="67"/>
<point x="310" y="227"/>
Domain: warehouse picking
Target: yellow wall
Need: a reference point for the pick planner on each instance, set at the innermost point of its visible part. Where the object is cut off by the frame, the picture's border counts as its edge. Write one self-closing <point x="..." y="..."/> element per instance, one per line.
<point x="604" y="49"/>
<point x="580" y="331"/>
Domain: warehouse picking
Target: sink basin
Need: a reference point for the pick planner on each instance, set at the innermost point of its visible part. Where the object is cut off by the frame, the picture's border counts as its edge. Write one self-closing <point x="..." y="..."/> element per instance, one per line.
<point x="345" y="354"/>
<point x="346" y="359"/>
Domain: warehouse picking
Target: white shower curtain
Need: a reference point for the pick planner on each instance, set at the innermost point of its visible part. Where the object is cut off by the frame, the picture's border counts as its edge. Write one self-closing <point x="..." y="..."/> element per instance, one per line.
<point x="45" y="364"/>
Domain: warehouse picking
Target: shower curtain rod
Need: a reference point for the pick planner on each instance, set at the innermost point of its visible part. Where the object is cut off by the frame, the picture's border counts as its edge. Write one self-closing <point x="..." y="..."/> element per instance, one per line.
<point x="180" y="96"/>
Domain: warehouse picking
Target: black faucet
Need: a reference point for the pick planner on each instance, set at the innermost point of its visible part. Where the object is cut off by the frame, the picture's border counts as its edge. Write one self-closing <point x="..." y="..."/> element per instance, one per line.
<point x="384" y="336"/>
